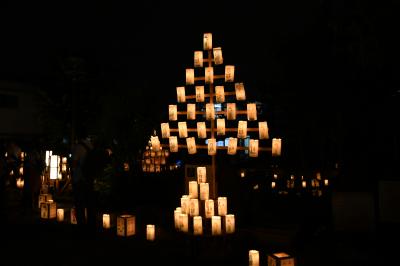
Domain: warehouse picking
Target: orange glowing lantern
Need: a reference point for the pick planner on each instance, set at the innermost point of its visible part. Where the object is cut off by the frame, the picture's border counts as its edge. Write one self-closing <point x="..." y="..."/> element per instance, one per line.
<point x="198" y="59"/>
<point x="209" y="75"/>
<point x="229" y="73"/>
<point x="276" y="147"/>
<point x="189" y="76"/>
<point x="240" y="92"/>
<point x="251" y="111"/>
<point x="231" y="111"/>
<point x="201" y="130"/>
<point x="191" y="111"/>
<point x="126" y="225"/>
<point x="173" y="112"/>
<point x="263" y="130"/>
<point x="181" y="96"/>
<point x="199" y="93"/>
<point x="165" y="132"/>
<point x="173" y="144"/>
<point x="253" y="148"/>
<point x="232" y="146"/>
<point x="210" y="111"/>
<point x="242" y="130"/>
<point x="220" y="126"/>
<point x="207" y="41"/>
<point x="219" y="94"/>
<point x="218" y="60"/>
<point x="182" y="129"/>
<point x="212" y="146"/>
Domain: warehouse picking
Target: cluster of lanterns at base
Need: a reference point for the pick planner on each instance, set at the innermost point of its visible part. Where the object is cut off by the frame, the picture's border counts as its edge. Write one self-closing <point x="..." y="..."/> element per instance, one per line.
<point x="155" y="158"/>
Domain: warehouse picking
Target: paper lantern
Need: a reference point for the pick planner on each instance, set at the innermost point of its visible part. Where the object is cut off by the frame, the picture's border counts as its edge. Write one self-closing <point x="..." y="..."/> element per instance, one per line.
<point x="173" y="112"/>
<point x="251" y="112"/>
<point x="326" y="182"/>
<point x="276" y="147"/>
<point x="209" y="208"/>
<point x="64" y="164"/>
<point x="21" y="171"/>
<point x="185" y="204"/>
<point x="48" y="210"/>
<point x="182" y="129"/>
<point x="218" y="60"/>
<point x="280" y="259"/>
<point x="60" y="215"/>
<point x="216" y="226"/>
<point x="201" y="174"/>
<point x="155" y="143"/>
<point x="304" y="184"/>
<point x="184" y="223"/>
<point x="106" y="221"/>
<point x="189" y="76"/>
<point x="242" y="130"/>
<point x="232" y="146"/>
<point x="54" y="166"/>
<point x="48" y="154"/>
<point x="126" y="225"/>
<point x="177" y="213"/>
<point x="173" y="144"/>
<point x="230" y="223"/>
<point x="231" y="111"/>
<point x="198" y="59"/>
<point x="150" y="232"/>
<point x="191" y="145"/>
<point x="253" y="148"/>
<point x="254" y="258"/>
<point x="212" y="146"/>
<point x="20" y="183"/>
<point x="199" y="93"/>
<point x="229" y="73"/>
<point x="209" y="75"/>
<point x="273" y="184"/>
<point x="240" y="92"/>
<point x="181" y="97"/>
<point x="242" y="174"/>
<point x="194" y="207"/>
<point x="219" y="94"/>
<point x="191" y="111"/>
<point x="197" y="225"/>
<point x="165" y="132"/>
<point x="201" y="130"/>
<point x="263" y="130"/>
<point x="204" y="191"/>
<point x="210" y="111"/>
<point x="220" y="126"/>
<point x="73" y="216"/>
<point x="193" y="190"/>
<point x="222" y="206"/>
<point x="207" y="41"/>
<point x="44" y="198"/>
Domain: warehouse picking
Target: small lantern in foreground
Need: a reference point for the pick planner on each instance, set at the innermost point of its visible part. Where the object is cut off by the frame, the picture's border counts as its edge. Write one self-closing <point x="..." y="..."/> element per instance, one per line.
<point x="173" y="144"/>
<point x="209" y="75"/>
<point x="177" y="212"/>
<point x="150" y="232"/>
<point x="273" y="184"/>
<point x="232" y="146"/>
<point x="253" y="148"/>
<point x="194" y="207"/>
<point x="197" y="225"/>
<point x="240" y="92"/>
<point x="199" y="93"/>
<point x="212" y="146"/>
<point x="155" y="143"/>
<point x="106" y="221"/>
<point x="48" y="210"/>
<point x="189" y="76"/>
<point x="263" y="130"/>
<point x="201" y="130"/>
<point x="242" y="130"/>
<point x="173" y="112"/>
<point x="182" y="129"/>
<point x="201" y="174"/>
<point x="207" y="41"/>
<point x="254" y="258"/>
<point x="191" y="111"/>
<point x="230" y="223"/>
<point x="220" y="126"/>
<point x="280" y="259"/>
<point x="209" y="208"/>
<point x="180" y="92"/>
<point x="44" y="198"/>
<point x="185" y="199"/>
<point x="326" y="182"/>
<point x="222" y="206"/>
<point x="193" y="190"/>
<point x="191" y="145"/>
<point x="20" y="183"/>
<point x="60" y="215"/>
<point x="304" y="184"/>
<point x="229" y="73"/>
<point x="210" y="111"/>
<point x="218" y="60"/>
<point x="126" y="225"/>
<point x="219" y="94"/>
<point x="198" y="59"/>
<point x="216" y="225"/>
<point x="73" y="216"/>
<point x="165" y="132"/>
<point x="276" y="147"/>
<point x="184" y="223"/>
<point x="231" y="111"/>
<point x="204" y="191"/>
<point x="251" y="112"/>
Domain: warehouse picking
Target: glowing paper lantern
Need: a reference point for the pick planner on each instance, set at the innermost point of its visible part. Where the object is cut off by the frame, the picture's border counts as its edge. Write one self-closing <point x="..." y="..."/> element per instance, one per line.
<point x="197" y="225"/>
<point x="273" y="184"/>
<point x="177" y="213"/>
<point x="263" y="130"/>
<point x="48" y="154"/>
<point x="106" y="221"/>
<point x="326" y="182"/>
<point x="209" y="75"/>
<point x="212" y="146"/>
<point x="199" y="93"/>
<point x="126" y="225"/>
<point x="304" y="184"/>
<point x="232" y="146"/>
<point x="204" y="191"/>
<point x="219" y="94"/>
<point x="229" y="73"/>
<point x="201" y="130"/>
<point x="44" y="198"/>
<point x="254" y="258"/>
<point x="173" y="112"/>
<point x="182" y="129"/>
<point x="60" y="215"/>
<point x="191" y="145"/>
<point x="48" y="210"/>
<point x="220" y="126"/>
<point x="189" y="76"/>
<point x="218" y="60"/>
<point x="173" y="144"/>
<point x="194" y="207"/>
<point x="150" y="232"/>
<point x="21" y="171"/>
<point x="230" y="223"/>
<point x="222" y="206"/>
<point x="165" y="132"/>
<point x="193" y="190"/>
<point x="185" y="204"/>
<point x="210" y="111"/>
<point x="280" y="259"/>
<point x="155" y="143"/>
<point x="251" y="111"/>
<point x="184" y="222"/>
<point x="180" y="92"/>
<point x="54" y="166"/>
<point x="198" y="59"/>
<point x="201" y="174"/>
<point x="64" y="164"/>
<point x="216" y="226"/>
<point x="253" y="148"/>
<point x="20" y="183"/>
<point x="276" y="147"/>
<point x="242" y="130"/>
<point x="191" y="111"/>
<point x="209" y="208"/>
<point x="240" y="92"/>
<point x="231" y="111"/>
<point x="207" y="41"/>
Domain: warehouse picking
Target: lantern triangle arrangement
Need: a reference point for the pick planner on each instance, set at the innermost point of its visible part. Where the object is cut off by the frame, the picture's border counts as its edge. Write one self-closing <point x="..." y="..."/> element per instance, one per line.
<point x="212" y="114"/>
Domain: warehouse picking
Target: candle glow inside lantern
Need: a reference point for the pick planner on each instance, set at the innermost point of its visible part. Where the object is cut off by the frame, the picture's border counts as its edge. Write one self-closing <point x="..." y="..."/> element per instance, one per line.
<point x="191" y="111"/>
<point x="191" y="145"/>
<point x="201" y="174"/>
<point x="209" y="75"/>
<point x="207" y="41"/>
<point x="232" y="146"/>
<point x="184" y="223"/>
<point x="220" y="126"/>
<point x="20" y="183"/>
<point x="273" y="184"/>
<point x="54" y="166"/>
<point x="198" y="59"/>
<point x="210" y="111"/>
<point x="150" y="232"/>
<point x="106" y="221"/>
<point x="199" y="93"/>
<point x="222" y="206"/>
<point x="185" y="204"/>
<point x="209" y="208"/>
<point x="193" y="190"/>
<point x="177" y="212"/>
<point x="44" y="198"/>
<point x="216" y="226"/>
<point x="189" y="76"/>
<point x="231" y="111"/>
<point x="280" y="259"/>
<point x="251" y="112"/>
<point x="193" y="207"/>
<point x="276" y="147"/>
<point x="242" y="130"/>
<point x="219" y="94"/>
<point x="326" y="182"/>
<point x="230" y="223"/>
<point x="263" y="130"/>
<point x="182" y="129"/>
<point x="253" y="148"/>
<point x="204" y="191"/>
<point x="60" y="215"/>
<point x="165" y="132"/>
<point x="180" y="91"/>
<point x="173" y="112"/>
<point x="173" y="144"/>
<point x="197" y="225"/>
<point x="218" y="59"/>
<point x="304" y="184"/>
<point x="64" y="164"/>
<point x="48" y="210"/>
<point x="212" y="146"/>
<point x="254" y="258"/>
<point x="201" y="130"/>
<point x="229" y="73"/>
<point x="240" y="92"/>
<point x="155" y="143"/>
<point x="126" y="225"/>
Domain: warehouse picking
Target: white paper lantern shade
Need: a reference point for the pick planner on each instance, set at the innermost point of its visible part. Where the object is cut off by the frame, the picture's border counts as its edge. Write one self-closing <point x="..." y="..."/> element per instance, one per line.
<point x="173" y="144"/>
<point x="218" y="59"/>
<point x="242" y="130"/>
<point x="177" y="213"/>
<point x="220" y="126"/>
<point x="251" y="112"/>
<point x="216" y="226"/>
<point x="150" y="232"/>
<point x="240" y="92"/>
<point x="204" y="191"/>
<point x="198" y="59"/>
<point x="201" y="130"/>
<point x="54" y="167"/>
<point x="232" y="146"/>
<point x="191" y="145"/>
<point x="209" y="208"/>
<point x="230" y="223"/>
<point x="222" y="206"/>
<point x="185" y="199"/>
<point x="106" y="221"/>
<point x="189" y="76"/>
<point x="199" y="93"/>
<point x="48" y="210"/>
<point x="209" y="75"/>
<point x="197" y="225"/>
<point x="191" y="111"/>
<point x="193" y="190"/>
<point x="184" y="223"/>
<point x="182" y="126"/>
<point x="229" y="73"/>
<point x="181" y="96"/>
<point x="193" y="207"/>
<point x="210" y="111"/>
<point x="263" y="130"/>
<point x="219" y="94"/>
<point x="276" y="147"/>
<point x="155" y="143"/>
<point x="201" y="174"/>
<point x="231" y="111"/>
<point x="212" y="146"/>
<point x="207" y="41"/>
<point x="60" y="215"/>
<point x="165" y="131"/>
<point x="253" y="148"/>
<point x="173" y="112"/>
<point x="254" y="258"/>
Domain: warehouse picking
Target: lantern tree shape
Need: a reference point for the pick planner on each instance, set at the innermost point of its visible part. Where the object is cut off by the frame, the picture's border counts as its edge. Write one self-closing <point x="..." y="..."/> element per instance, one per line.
<point x="217" y="107"/>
